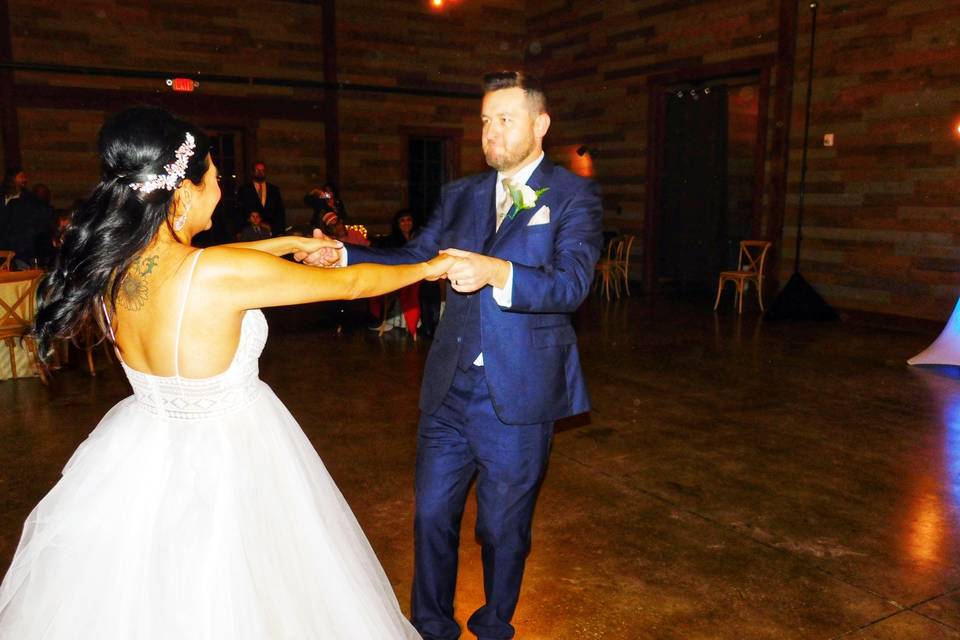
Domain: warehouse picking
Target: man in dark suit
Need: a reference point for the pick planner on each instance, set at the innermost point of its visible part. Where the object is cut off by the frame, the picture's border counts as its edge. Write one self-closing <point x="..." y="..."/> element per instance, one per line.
<point x="26" y="223"/>
<point x="14" y="184"/>
<point x="264" y="198"/>
<point x="504" y="364"/>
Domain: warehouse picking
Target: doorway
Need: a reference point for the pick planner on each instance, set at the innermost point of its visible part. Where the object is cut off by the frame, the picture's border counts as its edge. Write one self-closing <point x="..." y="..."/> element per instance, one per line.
<point x="427" y="172"/>
<point x="705" y="175"/>
<point x="693" y="187"/>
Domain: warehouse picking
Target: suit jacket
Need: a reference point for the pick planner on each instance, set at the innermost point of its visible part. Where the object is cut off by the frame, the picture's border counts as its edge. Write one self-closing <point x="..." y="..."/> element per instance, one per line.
<point x="26" y="227"/>
<point x="273" y="212"/>
<point x="530" y="352"/>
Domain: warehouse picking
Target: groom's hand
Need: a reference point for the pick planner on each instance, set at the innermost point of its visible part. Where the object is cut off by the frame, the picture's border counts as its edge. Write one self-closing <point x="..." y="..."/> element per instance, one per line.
<point x="474" y="271"/>
<point x="327" y="253"/>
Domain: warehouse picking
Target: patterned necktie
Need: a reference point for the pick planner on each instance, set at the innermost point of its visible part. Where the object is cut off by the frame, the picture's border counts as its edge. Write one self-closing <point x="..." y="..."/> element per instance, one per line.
<point x="506" y="201"/>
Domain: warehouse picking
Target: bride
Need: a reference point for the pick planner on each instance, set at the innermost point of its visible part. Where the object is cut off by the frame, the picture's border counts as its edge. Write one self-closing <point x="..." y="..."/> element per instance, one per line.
<point x="197" y="509"/>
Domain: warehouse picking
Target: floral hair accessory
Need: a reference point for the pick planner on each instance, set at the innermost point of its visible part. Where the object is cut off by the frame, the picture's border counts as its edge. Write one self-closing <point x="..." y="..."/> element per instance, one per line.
<point x="175" y="172"/>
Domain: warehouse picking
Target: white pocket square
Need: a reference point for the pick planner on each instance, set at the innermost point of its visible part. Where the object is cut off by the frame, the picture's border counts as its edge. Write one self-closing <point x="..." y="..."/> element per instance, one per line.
<point x="542" y="216"/>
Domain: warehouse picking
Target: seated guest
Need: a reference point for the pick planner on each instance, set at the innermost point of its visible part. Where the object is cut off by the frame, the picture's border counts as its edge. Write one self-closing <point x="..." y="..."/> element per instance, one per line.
<point x="401" y="308"/>
<point x="256" y="229"/>
<point x="61" y="221"/>
<point x="323" y="200"/>
<point x="333" y="226"/>
<point x="403" y="228"/>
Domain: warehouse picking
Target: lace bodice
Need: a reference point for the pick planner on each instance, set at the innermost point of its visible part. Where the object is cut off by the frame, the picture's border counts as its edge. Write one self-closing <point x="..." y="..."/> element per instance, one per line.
<point x="179" y="398"/>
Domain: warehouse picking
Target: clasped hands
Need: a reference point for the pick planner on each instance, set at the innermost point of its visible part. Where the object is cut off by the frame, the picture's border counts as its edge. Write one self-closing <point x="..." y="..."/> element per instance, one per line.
<point x="466" y="271"/>
<point x="471" y="272"/>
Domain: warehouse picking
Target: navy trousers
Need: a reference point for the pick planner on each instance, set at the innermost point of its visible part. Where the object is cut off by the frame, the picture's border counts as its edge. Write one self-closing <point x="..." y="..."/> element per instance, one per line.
<point x="463" y="438"/>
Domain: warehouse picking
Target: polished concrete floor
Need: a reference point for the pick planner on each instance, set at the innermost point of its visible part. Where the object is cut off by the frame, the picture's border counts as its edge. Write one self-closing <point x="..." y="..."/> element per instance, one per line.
<point x="736" y="479"/>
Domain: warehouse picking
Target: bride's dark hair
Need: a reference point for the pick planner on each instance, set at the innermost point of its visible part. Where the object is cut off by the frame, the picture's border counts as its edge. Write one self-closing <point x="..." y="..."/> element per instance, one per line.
<point x="116" y="222"/>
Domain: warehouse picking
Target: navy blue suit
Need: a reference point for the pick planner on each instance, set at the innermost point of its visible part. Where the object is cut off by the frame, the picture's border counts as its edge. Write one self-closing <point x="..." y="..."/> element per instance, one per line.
<point x="495" y="421"/>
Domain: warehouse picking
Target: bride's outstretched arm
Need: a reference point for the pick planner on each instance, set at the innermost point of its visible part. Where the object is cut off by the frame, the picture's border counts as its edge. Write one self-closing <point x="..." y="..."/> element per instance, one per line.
<point x="238" y="278"/>
<point x="279" y="246"/>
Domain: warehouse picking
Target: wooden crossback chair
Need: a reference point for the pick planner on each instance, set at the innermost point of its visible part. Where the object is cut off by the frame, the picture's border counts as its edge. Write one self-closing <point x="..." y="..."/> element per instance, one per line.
<point x="16" y="324"/>
<point x="90" y="337"/>
<point x="607" y="271"/>
<point x="86" y="340"/>
<point x="6" y="260"/>
<point x="622" y="262"/>
<point x="751" y="265"/>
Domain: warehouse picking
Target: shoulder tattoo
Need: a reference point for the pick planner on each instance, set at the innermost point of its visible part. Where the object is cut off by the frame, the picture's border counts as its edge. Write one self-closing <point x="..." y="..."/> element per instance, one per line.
<point x="134" y="289"/>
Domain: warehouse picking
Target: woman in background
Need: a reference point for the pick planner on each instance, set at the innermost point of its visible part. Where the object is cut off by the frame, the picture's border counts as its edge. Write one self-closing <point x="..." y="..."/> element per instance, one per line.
<point x="402" y="308"/>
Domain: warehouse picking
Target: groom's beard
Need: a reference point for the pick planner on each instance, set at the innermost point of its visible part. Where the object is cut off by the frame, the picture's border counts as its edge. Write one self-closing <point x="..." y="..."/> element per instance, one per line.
<point x="508" y="159"/>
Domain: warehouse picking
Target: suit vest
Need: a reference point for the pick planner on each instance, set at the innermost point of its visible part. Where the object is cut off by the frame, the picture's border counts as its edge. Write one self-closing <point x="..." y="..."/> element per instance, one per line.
<point x="472" y="330"/>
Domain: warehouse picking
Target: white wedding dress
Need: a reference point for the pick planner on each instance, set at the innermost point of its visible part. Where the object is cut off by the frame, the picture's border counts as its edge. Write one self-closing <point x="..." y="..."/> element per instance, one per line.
<point x="198" y="510"/>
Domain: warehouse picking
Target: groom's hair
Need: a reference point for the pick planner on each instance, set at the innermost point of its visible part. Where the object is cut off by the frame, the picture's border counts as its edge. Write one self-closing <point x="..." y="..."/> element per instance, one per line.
<point x="531" y="85"/>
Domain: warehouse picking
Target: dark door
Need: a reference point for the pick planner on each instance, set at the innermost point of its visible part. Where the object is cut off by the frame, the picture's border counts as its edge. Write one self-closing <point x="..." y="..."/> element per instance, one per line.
<point x="690" y="243"/>
<point x="427" y="172"/>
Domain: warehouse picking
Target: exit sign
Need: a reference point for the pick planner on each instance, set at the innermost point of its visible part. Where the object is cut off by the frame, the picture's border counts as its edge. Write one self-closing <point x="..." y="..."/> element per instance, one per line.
<point x="182" y="84"/>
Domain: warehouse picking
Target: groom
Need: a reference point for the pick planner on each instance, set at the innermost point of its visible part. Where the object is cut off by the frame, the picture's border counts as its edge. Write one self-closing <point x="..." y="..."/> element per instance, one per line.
<point x="503" y="365"/>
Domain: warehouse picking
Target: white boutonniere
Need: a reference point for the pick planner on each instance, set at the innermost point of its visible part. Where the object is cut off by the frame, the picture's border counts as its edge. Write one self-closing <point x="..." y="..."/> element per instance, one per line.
<point x="524" y="197"/>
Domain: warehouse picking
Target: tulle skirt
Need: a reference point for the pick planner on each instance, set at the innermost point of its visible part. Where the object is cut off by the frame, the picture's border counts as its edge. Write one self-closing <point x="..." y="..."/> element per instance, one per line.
<point x="227" y="528"/>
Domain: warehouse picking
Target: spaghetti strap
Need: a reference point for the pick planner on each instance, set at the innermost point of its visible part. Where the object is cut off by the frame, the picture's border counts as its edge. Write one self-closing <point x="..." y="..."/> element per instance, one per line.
<point x="106" y="317"/>
<point x="109" y="323"/>
<point x="183" y="307"/>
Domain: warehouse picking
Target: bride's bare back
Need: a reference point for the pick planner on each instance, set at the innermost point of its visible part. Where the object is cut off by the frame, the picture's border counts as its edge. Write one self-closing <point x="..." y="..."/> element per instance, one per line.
<point x="157" y="287"/>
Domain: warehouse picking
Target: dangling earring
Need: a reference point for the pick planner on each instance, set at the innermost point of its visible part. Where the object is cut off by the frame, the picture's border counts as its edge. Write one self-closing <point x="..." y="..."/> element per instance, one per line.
<point x="181" y="220"/>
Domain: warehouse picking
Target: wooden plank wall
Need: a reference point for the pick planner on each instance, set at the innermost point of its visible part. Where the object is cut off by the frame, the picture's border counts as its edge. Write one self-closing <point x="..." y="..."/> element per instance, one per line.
<point x="264" y="39"/>
<point x="882" y="206"/>
<point x="597" y="59"/>
<point x="882" y="210"/>
<point x="407" y="44"/>
<point x="395" y="44"/>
